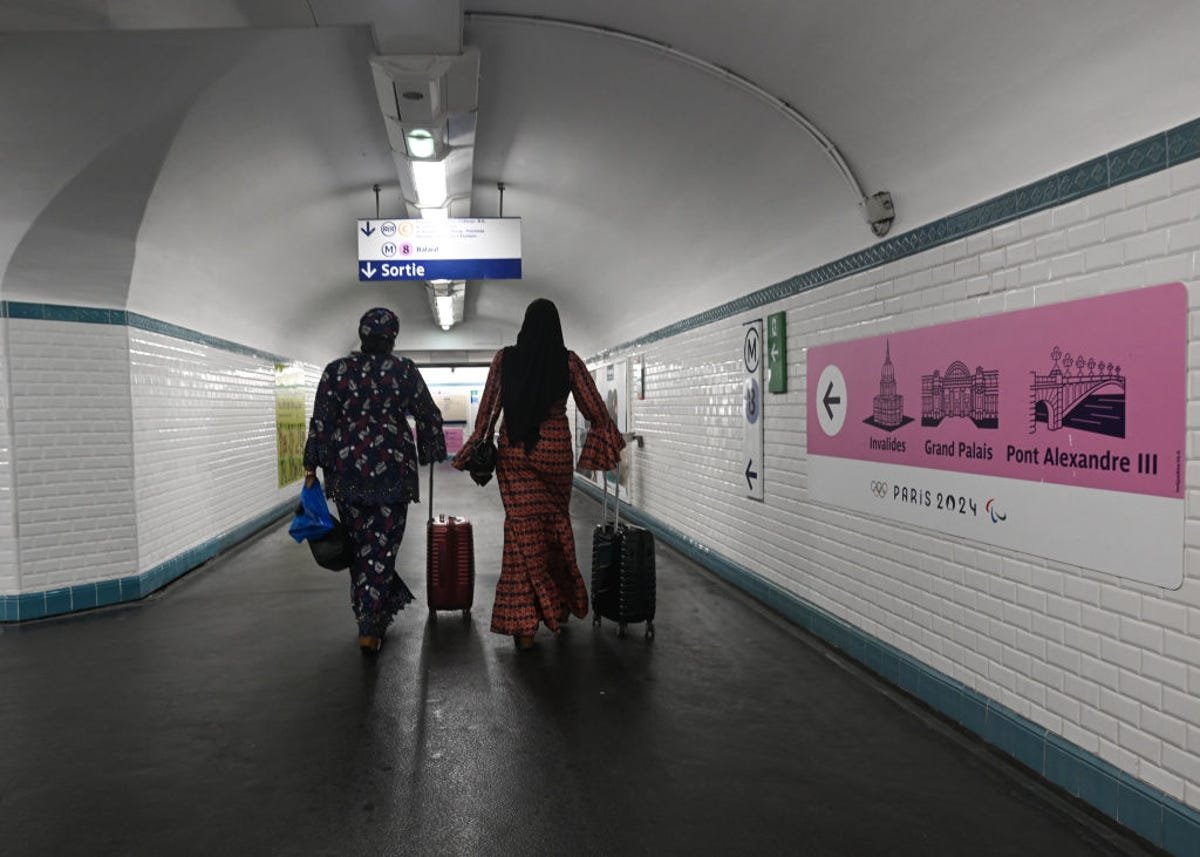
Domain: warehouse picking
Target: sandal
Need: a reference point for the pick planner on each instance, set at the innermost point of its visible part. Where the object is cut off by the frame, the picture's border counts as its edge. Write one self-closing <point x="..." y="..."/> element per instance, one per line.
<point x="523" y="642"/>
<point x="369" y="644"/>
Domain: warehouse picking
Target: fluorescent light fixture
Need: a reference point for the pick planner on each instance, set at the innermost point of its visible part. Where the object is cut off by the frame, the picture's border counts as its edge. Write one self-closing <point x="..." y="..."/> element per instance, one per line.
<point x="420" y="143"/>
<point x="435" y="213"/>
<point x="445" y="310"/>
<point x="430" y="180"/>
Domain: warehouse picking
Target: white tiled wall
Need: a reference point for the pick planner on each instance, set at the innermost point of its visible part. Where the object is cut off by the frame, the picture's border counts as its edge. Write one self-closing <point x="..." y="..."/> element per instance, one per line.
<point x="204" y="442"/>
<point x="127" y="448"/>
<point x="1111" y="665"/>
<point x="73" y="448"/>
<point x="9" y="578"/>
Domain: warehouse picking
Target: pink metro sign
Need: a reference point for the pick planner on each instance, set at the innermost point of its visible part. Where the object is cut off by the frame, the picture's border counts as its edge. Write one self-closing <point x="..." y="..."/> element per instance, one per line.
<point x="1060" y="408"/>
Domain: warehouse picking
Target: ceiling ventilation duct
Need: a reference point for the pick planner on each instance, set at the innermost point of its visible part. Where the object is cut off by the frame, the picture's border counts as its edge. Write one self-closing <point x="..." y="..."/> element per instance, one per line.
<point x="429" y="105"/>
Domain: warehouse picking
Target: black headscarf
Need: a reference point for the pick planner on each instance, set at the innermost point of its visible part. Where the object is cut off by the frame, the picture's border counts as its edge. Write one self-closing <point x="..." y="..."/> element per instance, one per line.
<point x="534" y="374"/>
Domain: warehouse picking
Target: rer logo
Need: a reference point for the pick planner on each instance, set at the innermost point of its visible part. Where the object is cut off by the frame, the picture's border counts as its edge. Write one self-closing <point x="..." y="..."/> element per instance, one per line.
<point x="997" y="517"/>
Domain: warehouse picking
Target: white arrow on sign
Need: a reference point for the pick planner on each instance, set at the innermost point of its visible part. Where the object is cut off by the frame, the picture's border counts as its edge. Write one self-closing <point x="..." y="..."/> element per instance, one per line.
<point x="831" y="400"/>
<point x="369" y="270"/>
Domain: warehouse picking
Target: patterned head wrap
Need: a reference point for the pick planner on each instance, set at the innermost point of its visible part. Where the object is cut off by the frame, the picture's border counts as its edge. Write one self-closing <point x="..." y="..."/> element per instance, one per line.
<point x="379" y="322"/>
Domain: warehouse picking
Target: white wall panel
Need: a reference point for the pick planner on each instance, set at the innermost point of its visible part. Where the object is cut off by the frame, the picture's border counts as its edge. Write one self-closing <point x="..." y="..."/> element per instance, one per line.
<point x="204" y="442"/>
<point x="1107" y="663"/>
<point x="72" y="442"/>
<point x="10" y="581"/>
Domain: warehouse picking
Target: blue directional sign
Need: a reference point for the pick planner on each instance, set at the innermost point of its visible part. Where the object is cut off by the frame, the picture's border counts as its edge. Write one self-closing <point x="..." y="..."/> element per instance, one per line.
<point x="484" y="248"/>
<point x="438" y="269"/>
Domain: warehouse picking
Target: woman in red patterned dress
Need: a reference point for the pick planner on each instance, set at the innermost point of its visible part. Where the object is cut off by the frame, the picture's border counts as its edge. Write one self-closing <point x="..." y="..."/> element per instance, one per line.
<point x="528" y="383"/>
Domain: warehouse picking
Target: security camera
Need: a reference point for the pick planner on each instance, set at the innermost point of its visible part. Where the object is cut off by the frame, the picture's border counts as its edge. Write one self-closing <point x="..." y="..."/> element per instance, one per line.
<point x="879" y="212"/>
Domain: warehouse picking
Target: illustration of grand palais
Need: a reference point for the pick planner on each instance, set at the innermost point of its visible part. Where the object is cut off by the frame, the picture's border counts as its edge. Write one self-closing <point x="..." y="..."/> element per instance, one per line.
<point x="961" y="393"/>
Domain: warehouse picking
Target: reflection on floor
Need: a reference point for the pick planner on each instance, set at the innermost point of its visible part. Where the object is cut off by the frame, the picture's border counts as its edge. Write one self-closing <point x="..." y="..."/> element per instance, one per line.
<point x="233" y="714"/>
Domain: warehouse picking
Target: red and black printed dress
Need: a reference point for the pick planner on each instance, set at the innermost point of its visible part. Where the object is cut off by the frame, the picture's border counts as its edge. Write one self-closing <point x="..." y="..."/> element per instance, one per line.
<point x="539" y="575"/>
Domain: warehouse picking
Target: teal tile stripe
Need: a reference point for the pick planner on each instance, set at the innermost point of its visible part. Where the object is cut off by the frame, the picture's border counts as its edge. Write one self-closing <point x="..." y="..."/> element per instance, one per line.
<point x="1155" y="153"/>
<point x="95" y="315"/>
<point x="1150" y="813"/>
<point x="73" y="599"/>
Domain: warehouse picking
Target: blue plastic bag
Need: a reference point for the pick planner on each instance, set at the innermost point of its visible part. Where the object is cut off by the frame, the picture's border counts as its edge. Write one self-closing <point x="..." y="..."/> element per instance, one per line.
<point x="313" y="520"/>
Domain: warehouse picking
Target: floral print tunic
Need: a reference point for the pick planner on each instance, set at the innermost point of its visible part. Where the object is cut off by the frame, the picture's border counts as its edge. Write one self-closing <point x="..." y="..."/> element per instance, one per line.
<point x="359" y="433"/>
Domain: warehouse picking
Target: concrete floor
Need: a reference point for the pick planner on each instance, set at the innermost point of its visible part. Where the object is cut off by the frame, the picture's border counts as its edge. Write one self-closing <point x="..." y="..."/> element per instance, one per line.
<point x="232" y="714"/>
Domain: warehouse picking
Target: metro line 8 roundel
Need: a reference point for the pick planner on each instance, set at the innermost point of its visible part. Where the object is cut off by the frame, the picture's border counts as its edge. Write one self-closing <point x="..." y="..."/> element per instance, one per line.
<point x="751" y="400"/>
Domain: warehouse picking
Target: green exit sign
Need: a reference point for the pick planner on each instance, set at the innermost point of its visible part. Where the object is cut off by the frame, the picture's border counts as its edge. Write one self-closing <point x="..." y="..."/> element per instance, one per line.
<point x="777" y="352"/>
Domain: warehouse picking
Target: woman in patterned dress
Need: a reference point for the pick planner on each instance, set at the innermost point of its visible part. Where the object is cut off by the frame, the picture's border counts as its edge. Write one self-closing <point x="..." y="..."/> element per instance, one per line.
<point x="360" y="437"/>
<point x="529" y="382"/>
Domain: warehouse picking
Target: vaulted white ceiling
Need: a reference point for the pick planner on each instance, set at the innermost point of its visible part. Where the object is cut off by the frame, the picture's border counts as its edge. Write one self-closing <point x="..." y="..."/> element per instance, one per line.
<point x="204" y="162"/>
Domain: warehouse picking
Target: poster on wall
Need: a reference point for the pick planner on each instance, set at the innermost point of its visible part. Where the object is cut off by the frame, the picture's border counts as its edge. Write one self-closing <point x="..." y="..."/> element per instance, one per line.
<point x="291" y="429"/>
<point x="1057" y="431"/>
<point x="472" y="405"/>
<point x="616" y="397"/>
<point x="637" y="371"/>
<point x="452" y="402"/>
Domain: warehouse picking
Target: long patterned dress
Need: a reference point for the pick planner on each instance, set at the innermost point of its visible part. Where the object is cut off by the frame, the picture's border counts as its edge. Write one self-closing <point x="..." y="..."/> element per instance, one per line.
<point x="360" y="437"/>
<point x="539" y="574"/>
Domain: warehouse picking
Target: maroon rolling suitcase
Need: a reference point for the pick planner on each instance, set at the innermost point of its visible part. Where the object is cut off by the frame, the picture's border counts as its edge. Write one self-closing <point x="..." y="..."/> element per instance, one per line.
<point x="449" y="561"/>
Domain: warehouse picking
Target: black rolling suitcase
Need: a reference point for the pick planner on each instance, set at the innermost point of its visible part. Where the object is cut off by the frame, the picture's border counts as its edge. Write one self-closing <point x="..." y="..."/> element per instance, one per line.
<point x="623" y="578"/>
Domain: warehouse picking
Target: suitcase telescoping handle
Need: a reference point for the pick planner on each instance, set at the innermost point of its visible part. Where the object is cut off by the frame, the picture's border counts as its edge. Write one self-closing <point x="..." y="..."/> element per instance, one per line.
<point x="616" y="499"/>
<point x="430" y="492"/>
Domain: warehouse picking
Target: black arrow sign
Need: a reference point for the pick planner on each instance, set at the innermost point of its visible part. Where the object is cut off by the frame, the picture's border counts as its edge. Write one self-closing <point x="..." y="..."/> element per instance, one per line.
<point x="367" y="230"/>
<point x="750" y="474"/>
<point x="830" y="400"/>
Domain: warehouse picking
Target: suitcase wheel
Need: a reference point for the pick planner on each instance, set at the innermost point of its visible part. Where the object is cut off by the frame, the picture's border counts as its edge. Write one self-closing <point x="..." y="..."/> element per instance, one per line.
<point x="649" y="630"/>
<point x="621" y="630"/>
<point x="432" y="614"/>
<point x="466" y="614"/>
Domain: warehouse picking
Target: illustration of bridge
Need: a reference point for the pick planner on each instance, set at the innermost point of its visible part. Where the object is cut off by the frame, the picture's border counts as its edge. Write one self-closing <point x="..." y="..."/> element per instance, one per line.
<point x="1093" y="399"/>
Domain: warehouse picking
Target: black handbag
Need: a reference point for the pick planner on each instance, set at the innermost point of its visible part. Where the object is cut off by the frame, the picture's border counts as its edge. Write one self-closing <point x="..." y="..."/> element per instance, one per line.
<point x="483" y="462"/>
<point x="332" y="550"/>
<point x="483" y="456"/>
